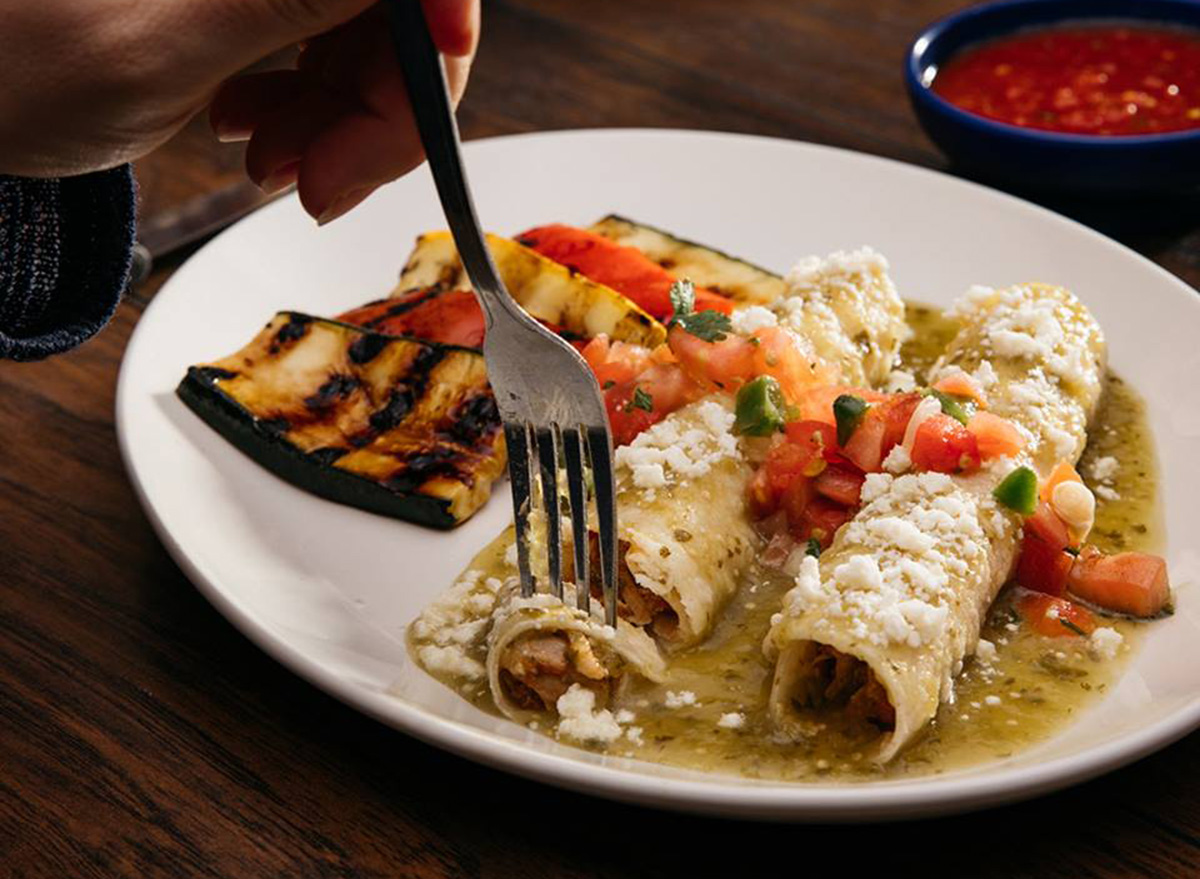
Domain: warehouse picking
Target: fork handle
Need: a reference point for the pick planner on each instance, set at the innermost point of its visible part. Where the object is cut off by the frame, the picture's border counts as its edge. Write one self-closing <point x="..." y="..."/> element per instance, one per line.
<point x="425" y="78"/>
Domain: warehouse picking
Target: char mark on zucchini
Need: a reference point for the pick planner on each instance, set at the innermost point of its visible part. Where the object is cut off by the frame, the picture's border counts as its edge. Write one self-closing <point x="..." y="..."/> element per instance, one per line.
<point x="411" y="431"/>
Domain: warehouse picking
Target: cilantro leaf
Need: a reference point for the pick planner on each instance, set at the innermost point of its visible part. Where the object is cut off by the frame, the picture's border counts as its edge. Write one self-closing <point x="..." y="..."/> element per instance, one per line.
<point x="683" y="298"/>
<point x="641" y="400"/>
<point x="711" y="326"/>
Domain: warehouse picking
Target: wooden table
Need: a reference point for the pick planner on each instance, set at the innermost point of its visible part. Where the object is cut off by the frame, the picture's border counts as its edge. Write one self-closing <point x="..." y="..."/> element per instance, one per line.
<point x="142" y="736"/>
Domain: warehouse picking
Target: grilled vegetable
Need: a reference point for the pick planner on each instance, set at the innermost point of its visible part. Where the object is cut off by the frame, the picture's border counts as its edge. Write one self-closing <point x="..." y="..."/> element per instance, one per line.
<point x="731" y="277"/>
<point x="626" y="269"/>
<point x="552" y="293"/>
<point x="392" y="425"/>
<point x="433" y="314"/>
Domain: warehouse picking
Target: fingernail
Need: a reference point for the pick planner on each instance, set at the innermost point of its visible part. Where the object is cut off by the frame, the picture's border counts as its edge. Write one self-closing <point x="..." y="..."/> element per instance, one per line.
<point x="342" y="204"/>
<point x="233" y="135"/>
<point x="229" y="133"/>
<point x="280" y="178"/>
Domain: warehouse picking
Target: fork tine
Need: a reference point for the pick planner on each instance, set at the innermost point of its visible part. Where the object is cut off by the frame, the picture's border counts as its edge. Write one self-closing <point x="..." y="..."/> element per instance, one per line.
<point x="600" y="447"/>
<point x="516" y="438"/>
<point x="572" y="441"/>
<point x="547" y="447"/>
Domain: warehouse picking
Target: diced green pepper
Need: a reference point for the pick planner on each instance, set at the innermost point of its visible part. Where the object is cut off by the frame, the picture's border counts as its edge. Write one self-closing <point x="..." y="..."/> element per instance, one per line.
<point x="1018" y="491"/>
<point x="951" y="406"/>
<point x="760" y="407"/>
<point x="848" y="412"/>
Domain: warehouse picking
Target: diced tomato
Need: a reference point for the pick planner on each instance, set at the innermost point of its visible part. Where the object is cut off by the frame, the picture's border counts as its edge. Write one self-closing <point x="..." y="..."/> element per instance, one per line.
<point x="796" y="499"/>
<point x="786" y="461"/>
<point x="840" y="484"/>
<point x="615" y="362"/>
<point x="626" y="269"/>
<point x="1042" y="567"/>
<point x="959" y="384"/>
<point x="452" y="317"/>
<point x="1062" y="472"/>
<point x="864" y="449"/>
<point x="822" y="519"/>
<point x="777" y="353"/>
<point x="667" y="387"/>
<point x="1055" y="617"/>
<point x="995" y="436"/>
<point x="1134" y="583"/>
<point x="1045" y="525"/>
<point x="761" y="495"/>
<point x="897" y="410"/>
<point x="726" y="364"/>
<point x="625" y="419"/>
<point x="816" y="403"/>
<point x="944" y="445"/>
<point x="817" y="434"/>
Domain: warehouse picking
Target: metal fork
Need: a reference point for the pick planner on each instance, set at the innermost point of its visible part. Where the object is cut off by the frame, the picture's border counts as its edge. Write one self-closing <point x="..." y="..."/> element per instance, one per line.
<point x="548" y="398"/>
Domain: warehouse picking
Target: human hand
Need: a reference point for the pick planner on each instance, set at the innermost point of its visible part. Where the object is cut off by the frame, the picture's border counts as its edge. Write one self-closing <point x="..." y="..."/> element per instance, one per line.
<point x="90" y="84"/>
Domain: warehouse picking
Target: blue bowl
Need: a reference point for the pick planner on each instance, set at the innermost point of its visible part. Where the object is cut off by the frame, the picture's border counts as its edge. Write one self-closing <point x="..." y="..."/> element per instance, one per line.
<point x="1109" y="165"/>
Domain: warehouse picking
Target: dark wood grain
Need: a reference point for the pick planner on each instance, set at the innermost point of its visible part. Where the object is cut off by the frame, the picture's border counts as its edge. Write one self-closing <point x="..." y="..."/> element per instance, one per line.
<point x="141" y="736"/>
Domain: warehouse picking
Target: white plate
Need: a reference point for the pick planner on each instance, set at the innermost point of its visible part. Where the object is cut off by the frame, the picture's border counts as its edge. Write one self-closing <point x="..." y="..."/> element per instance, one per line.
<point x="328" y="590"/>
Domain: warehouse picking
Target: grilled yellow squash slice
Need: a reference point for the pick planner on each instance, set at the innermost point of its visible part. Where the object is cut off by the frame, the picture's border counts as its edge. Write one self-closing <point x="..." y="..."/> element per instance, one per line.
<point x="548" y="291"/>
<point x="392" y="425"/>
<point x="741" y="281"/>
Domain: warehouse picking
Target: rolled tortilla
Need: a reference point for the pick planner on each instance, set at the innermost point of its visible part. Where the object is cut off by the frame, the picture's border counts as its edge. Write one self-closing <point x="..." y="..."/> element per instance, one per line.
<point x="686" y="537"/>
<point x="879" y="628"/>
<point x="540" y="647"/>
<point x="684" y="531"/>
<point x="847" y="307"/>
<point x="481" y="636"/>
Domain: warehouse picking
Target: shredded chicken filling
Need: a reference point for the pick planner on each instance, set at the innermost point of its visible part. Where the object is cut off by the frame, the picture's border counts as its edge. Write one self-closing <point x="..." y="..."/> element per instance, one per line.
<point x="537" y="669"/>
<point x="836" y="679"/>
<point x="636" y="604"/>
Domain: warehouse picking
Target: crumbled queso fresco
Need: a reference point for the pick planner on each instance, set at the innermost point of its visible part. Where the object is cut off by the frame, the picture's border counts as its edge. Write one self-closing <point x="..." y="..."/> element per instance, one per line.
<point x="749" y="320"/>
<point x="1105" y="642"/>
<point x="680" y="699"/>
<point x="458" y="619"/>
<point x="900" y="591"/>
<point x="578" y="718"/>
<point x="673" y="448"/>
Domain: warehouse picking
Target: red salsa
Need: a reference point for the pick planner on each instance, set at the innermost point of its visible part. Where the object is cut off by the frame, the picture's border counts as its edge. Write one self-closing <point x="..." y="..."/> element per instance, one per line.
<point x="1102" y="79"/>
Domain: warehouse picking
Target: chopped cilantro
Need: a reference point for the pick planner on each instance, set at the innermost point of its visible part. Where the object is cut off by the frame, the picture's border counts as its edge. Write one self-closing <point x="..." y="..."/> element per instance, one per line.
<point x="641" y="400"/>
<point x="710" y="326"/>
<point x="683" y="297"/>
<point x="814" y="548"/>
<point x="608" y="384"/>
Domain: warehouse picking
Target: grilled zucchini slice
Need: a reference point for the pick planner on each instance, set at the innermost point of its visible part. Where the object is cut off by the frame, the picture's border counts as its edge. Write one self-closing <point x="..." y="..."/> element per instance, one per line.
<point x="392" y="425"/>
<point x="735" y="278"/>
<point x="548" y="291"/>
